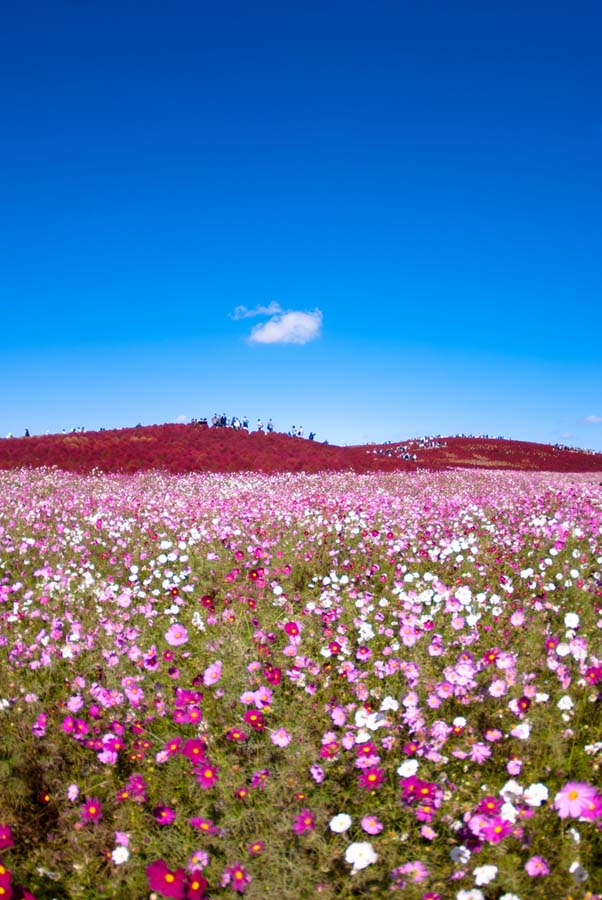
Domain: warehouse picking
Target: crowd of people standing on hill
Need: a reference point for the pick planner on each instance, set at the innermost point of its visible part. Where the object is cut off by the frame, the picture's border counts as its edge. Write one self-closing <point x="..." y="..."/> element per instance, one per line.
<point x="223" y="421"/>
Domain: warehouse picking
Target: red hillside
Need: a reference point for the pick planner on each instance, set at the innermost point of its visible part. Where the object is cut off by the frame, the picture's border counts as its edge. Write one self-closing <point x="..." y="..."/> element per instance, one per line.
<point x="186" y="448"/>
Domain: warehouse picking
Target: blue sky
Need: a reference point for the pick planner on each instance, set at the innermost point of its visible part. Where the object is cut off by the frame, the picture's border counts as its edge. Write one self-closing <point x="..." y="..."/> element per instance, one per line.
<point x="373" y="220"/>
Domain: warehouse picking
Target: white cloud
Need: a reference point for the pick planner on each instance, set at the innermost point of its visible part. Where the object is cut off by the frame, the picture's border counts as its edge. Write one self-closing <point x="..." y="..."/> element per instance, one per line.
<point x="182" y="420"/>
<point x="288" y="328"/>
<point x="283" y="326"/>
<point x="593" y="420"/>
<point x="242" y="312"/>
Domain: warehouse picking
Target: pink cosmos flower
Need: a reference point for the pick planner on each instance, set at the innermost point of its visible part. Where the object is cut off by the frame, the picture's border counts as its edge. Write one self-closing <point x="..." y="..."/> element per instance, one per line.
<point x="496" y="830"/>
<point x="412" y="872"/>
<point x="259" y="778"/>
<point x="38" y="729"/>
<point x="176" y="635"/>
<point x="198" y="860"/>
<point x="281" y="737"/>
<point x="514" y="766"/>
<point x="212" y="673"/>
<point x="262" y="697"/>
<point x="338" y="716"/>
<point x="480" y="752"/>
<point x="537" y="867"/>
<point x="574" y="799"/>
<point x="372" y="825"/>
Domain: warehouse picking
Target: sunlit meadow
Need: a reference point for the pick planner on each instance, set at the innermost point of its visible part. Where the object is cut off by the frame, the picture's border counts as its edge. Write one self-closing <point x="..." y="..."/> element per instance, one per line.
<point x="300" y="685"/>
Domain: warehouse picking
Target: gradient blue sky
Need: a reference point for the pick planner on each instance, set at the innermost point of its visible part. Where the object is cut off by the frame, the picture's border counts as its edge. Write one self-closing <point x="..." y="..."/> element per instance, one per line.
<point x="419" y="182"/>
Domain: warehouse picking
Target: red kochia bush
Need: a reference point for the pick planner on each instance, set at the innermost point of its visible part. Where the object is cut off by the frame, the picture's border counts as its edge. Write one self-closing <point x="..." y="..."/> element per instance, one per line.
<point x="184" y="448"/>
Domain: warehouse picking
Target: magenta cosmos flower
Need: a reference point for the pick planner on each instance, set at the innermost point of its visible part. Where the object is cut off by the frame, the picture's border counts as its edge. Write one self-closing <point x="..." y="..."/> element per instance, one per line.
<point x="575" y="799"/>
<point x="254" y="718"/>
<point x="197" y="886"/>
<point x="162" y="879"/>
<point x="305" y="821"/>
<point x="176" y="635"/>
<point x="206" y="776"/>
<point x="164" y="815"/>
<point x="5" y="881"/>
<point x="256" y="848"/>
<point x="91" y="810"/>
<point x="237" y="877"/>
<point x="6" y="837"/>
<point x="371" y="779"/>
<point x="194" y="749"/>
<point x="204" y="825"/>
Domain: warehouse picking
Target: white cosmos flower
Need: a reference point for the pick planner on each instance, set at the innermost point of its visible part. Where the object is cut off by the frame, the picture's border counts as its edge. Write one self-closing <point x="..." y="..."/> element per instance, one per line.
<point x="460" y="854"/>
<point x="389" y="703"/>
<point x="571" y="620"/>
<point x="340" y="823"/>
<point x="565" y="702"/>
<point x="508" y="812"/>
<point x="359" y="855"/>
<point x="484" y="874"/>
<point x="521" y="731"/>
<point x="408" y="768"/>
<point x="578" y="872"/>
<point x="535" y="794"/>
<point x="120" y="855"/>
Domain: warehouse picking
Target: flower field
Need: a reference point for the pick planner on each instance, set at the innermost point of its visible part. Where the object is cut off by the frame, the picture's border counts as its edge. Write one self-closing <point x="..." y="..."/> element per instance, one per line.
<point x="296" y="685"/>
